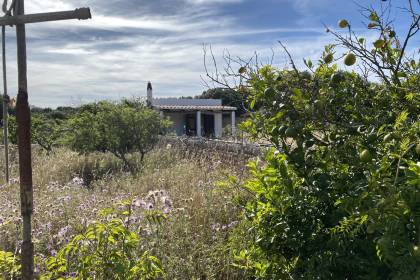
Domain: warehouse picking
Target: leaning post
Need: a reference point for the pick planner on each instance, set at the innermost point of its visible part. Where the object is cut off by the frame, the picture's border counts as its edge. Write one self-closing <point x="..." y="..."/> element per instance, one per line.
<point x="5" y="109"/>
<point x="23" y="118"/>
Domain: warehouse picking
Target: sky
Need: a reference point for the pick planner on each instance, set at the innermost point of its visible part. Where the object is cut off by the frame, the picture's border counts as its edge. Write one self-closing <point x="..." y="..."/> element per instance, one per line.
<point x="130" y="42"/>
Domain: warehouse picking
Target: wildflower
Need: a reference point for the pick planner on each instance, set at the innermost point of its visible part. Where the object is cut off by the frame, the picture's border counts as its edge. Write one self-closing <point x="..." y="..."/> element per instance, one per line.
<point x="215" y="227"/>
<point x="63" y="234"/>
<point x="167" y="210"/>
<point x="78" y="181"/>
<point x="140" y="203"/>
<point x="64" y="198"/>
<point x="232" y="224"/>
<point x="48" y="226"/>
<point x="168" y="205"/>
<point x="14" y="181"/>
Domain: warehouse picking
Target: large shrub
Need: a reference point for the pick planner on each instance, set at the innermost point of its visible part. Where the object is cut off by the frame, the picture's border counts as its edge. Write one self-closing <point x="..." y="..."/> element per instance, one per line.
<point x="339" y="195"/>
<point x="120" y="129"/>
<point x="46" y="131"/>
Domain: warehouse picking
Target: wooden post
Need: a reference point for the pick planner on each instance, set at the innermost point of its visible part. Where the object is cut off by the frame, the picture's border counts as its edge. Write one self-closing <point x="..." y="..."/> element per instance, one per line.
<point x="5" y="109"/>
<point x="6" y="137"/>
<point x="81" y="14"/>
<point x="23" y="118"/>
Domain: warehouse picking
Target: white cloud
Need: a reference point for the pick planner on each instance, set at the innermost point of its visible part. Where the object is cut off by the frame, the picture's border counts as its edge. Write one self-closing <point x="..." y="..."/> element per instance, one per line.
<point x="112" y="56"/>
<point x="69" y="50"/>
<point x="42" y="6"/>
<point x="108" y="22"/>
<point x="209" y="2"/>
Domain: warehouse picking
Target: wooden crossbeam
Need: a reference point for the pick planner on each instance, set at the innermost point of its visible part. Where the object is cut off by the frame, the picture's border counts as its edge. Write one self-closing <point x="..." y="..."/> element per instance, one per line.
<point x="80" y="14"/>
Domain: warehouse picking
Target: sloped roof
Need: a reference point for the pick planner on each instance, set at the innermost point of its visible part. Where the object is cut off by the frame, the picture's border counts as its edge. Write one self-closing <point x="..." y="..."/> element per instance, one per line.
<point x="186" y="102"/>
<point x="194" y="108"/>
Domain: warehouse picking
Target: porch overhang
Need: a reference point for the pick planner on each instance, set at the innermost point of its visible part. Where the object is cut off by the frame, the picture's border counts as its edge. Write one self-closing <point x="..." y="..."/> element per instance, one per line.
<point x="185" y="108"/>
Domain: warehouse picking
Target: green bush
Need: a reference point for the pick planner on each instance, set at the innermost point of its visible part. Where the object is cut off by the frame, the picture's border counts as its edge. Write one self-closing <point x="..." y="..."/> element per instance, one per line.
<point x="45" y="131"/>
<point x="9" y="266"/>
<point x="97" y="166"/>
<point x="339" y="195"/>
<point x="106" y="250"/>
<point x="120" y="129"/>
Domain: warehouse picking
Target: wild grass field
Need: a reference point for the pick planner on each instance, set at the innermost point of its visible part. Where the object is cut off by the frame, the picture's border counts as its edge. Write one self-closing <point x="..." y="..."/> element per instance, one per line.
<point x="191" y="238"/>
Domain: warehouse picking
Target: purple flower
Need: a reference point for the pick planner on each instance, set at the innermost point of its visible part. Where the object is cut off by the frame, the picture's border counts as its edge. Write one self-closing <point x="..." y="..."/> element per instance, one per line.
<point x="78" y="181"/>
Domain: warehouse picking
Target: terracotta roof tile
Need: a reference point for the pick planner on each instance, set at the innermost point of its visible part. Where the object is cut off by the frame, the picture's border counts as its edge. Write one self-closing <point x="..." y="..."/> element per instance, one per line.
<point x="194" y="108"/>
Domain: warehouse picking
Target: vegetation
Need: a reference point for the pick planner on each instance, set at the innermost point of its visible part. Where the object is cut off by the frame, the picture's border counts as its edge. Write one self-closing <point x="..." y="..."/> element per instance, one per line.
<point x="229" y="97"/>
<point x="177" y="210"/>
<point x="104" y="250"/>
<point x="338" y="196"/>
<point x="120" y="129"/>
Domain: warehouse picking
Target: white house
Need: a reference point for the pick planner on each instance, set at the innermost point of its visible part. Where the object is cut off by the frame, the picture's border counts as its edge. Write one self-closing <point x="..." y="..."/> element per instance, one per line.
<point x="193" y="117"/>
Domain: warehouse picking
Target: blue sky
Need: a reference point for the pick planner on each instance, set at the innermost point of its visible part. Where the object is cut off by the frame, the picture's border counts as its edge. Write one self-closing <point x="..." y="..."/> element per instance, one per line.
<point x="129" y="42"/>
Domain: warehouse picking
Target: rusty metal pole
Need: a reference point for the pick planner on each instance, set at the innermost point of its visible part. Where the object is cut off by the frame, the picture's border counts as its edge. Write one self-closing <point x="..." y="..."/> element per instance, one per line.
<point x="23" y="118"/>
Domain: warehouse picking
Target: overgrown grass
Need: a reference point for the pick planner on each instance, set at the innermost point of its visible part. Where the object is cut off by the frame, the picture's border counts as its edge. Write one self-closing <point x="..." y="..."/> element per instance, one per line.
<point x="192" y="240"/>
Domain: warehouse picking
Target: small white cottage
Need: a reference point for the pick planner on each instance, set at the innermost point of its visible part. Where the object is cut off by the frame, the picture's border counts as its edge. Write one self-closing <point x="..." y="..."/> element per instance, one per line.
<point x="193" y="117"/>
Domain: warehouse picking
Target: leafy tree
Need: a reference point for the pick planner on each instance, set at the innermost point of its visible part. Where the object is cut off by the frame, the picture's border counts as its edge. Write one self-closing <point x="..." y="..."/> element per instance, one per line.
<point x="121" y="129"/>
<point x="12" y="129"/>
<point x="45" y="132"/>
<point x="339" y="195"/>
<point x="229" y="97"/>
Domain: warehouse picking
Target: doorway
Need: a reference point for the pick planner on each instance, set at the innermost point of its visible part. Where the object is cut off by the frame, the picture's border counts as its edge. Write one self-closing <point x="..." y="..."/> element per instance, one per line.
<point x="190" y="125"/>
<point x="208" y="125"/>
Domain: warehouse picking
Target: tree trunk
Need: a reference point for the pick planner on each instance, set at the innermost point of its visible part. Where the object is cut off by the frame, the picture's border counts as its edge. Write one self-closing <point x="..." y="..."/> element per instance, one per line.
<point x="127" y="164"/>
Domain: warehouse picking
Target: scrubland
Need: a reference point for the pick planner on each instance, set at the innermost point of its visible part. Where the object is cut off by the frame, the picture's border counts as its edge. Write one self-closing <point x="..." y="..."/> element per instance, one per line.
<point x="191" y="235"/>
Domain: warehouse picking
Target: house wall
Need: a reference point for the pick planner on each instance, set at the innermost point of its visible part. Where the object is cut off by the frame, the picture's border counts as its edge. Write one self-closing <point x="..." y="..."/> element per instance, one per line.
<point x="178" y="120"/>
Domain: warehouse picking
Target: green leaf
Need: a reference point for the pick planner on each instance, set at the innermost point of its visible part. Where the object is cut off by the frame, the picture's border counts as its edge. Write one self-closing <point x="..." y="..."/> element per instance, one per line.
<point x="373" y="16"/>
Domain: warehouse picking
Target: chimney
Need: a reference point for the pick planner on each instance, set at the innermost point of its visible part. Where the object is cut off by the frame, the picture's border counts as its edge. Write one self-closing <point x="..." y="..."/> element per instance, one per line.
<point x="149" y="94"/>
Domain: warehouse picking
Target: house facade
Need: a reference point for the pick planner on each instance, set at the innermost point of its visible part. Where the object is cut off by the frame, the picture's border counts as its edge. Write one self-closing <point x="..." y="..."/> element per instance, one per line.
<point x="194" y="117"/>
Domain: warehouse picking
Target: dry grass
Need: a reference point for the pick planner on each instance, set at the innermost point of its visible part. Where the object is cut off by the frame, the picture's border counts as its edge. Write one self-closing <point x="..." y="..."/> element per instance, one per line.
<point x="191" y="242"/>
